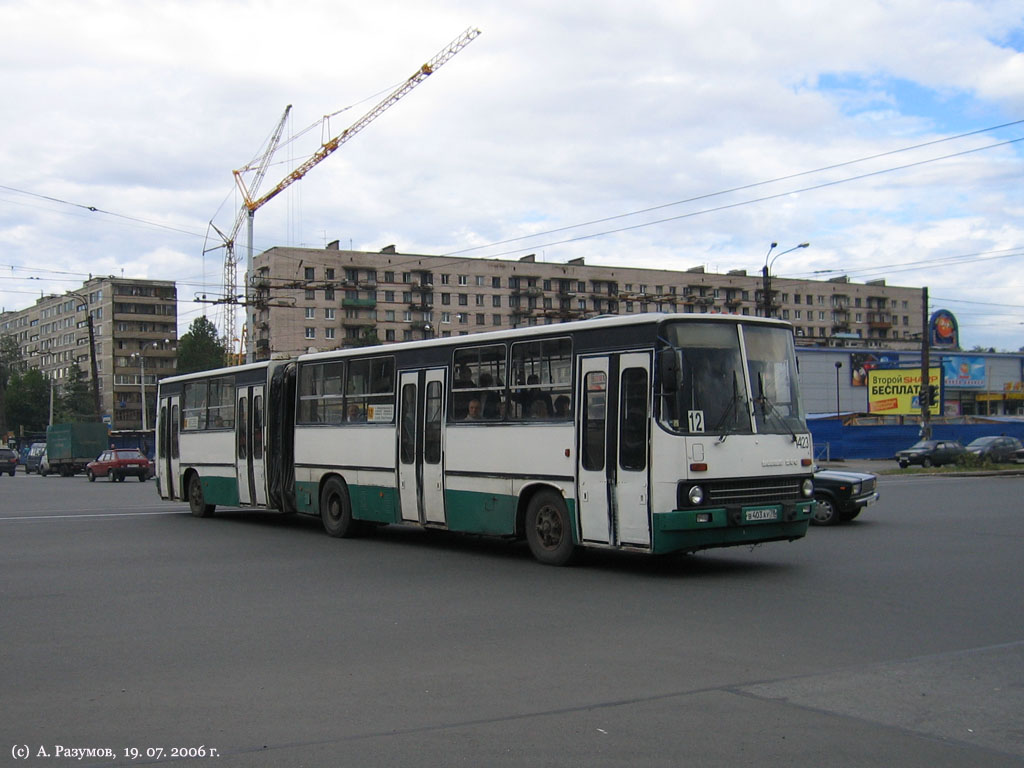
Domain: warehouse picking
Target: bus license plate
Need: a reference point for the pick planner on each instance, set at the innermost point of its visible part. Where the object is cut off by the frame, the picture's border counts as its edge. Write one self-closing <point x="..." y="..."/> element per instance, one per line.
<point x="761" y="514"/>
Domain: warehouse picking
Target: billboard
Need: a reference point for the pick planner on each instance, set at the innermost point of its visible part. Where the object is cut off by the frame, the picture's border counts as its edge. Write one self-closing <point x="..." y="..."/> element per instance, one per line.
<point x="943" y="329"/>
<point x="862" y="362"/>
<point x="964" y="372"/>
<point x="895" y="392"/>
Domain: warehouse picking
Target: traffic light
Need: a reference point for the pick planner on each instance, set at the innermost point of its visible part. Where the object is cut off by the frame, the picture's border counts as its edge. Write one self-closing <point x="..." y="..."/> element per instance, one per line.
<point x="922" y="397"/>
<point x="933" y="394"/>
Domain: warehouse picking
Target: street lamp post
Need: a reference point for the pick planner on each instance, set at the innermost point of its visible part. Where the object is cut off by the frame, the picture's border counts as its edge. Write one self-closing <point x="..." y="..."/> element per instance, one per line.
<point x="838" y="366"/>
<point x="766" y="279"/>
<point x="142" y="377"/>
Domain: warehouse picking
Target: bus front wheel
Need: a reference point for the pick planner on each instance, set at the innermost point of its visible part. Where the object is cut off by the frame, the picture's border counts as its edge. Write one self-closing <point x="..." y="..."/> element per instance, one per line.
<point x="336" y="510"/>
<point x="548" y="530"/>
<point x="196" y="501"/>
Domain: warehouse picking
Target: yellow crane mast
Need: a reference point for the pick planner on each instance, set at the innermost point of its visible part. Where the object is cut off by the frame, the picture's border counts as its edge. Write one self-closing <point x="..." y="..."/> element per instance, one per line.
<point x="252" y="203"/>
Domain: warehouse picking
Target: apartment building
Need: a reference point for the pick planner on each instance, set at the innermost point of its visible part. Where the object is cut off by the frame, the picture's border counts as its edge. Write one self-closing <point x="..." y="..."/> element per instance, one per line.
<point x="323" y="299"/>
<point x="135" y="331"/>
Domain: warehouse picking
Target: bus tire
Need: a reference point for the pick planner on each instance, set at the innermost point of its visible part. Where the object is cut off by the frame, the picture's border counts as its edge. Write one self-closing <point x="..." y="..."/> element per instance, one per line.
<point x="548" y="529"/>
<point x="196" y="501"/>
<point x="336" y="510"/>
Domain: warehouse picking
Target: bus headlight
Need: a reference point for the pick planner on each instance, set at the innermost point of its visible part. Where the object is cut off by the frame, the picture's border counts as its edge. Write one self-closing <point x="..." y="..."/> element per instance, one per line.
<point x="807" y="489"/>
<point x="696" y="495"/>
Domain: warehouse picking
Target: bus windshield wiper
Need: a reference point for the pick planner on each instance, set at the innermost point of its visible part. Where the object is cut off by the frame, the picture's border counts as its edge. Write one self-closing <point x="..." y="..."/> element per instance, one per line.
<point x="733" y="401"/>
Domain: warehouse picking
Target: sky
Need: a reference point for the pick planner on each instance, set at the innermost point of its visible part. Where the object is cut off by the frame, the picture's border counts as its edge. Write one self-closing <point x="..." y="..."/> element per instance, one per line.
<point x="889" y="134"/>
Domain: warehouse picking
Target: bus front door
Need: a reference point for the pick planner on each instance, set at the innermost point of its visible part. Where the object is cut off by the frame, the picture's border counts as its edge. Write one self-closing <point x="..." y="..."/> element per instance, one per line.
<point x="169" y="454"/>
<point x="614" y="415"/>
<point x="249" y="447"/>
<point x="420" y="449"/>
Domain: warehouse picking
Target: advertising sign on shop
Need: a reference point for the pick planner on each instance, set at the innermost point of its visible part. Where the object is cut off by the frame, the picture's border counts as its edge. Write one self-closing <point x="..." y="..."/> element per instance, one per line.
<point x="964" y="372"/>
<point x="897" y="392"/>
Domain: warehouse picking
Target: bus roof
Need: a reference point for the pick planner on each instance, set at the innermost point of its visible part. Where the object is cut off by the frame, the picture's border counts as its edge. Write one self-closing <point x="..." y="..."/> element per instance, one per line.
<point x="596" y="323"/>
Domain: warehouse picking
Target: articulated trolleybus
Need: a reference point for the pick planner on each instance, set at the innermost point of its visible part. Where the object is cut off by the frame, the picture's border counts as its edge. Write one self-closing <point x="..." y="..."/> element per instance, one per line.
<point x="651" y="433"/>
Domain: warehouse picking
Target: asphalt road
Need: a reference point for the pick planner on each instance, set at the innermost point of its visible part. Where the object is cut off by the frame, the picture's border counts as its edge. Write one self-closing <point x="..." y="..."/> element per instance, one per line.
<point x="127" y="624"/>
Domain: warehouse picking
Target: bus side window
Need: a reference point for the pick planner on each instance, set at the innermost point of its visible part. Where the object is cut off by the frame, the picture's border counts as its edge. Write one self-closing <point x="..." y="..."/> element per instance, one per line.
<point x="633" y="420"/>
<point x="243" y="449"/>
<point x="407" y="438"/>
<point x="257" y="427"/>
<point x="595" y="386"/>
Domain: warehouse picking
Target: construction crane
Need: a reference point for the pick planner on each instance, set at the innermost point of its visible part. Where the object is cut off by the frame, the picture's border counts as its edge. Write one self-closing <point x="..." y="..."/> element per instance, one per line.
<point x="252" y="203"/>
<point x="259" y="164"/>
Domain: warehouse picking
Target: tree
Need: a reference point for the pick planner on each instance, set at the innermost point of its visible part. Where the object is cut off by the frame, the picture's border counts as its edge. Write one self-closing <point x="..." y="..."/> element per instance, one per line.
<point x="201" y="349"/>
<point x="28" y="401"/>
<point x="10" y="364"/>
<point x="75" y="402"/>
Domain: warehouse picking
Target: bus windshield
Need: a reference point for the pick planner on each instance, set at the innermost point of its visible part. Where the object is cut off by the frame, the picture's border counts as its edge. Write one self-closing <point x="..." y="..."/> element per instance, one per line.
<point x="771" y="363"/>
<point x="706" y="388"/>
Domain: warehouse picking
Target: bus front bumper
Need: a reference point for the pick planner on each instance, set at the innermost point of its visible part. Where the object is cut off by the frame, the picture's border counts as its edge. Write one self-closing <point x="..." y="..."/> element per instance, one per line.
<point x="688" y="530"/>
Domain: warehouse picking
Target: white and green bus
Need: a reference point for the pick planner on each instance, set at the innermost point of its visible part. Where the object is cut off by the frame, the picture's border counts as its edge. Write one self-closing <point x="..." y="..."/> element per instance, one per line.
<point x="650" y="433"/>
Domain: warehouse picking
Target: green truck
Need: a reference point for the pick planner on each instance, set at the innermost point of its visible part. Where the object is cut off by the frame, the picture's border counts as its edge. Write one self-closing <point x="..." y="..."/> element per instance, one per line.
<point x="69" y="447"/>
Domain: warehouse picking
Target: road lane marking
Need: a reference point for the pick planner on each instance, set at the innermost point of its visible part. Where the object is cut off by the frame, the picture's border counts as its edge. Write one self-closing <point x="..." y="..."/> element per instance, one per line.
<point x="102" y="514"/>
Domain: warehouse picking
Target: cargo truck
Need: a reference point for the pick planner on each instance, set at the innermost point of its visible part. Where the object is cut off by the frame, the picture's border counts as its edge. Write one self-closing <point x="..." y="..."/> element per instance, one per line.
<point x="69" y="447"/>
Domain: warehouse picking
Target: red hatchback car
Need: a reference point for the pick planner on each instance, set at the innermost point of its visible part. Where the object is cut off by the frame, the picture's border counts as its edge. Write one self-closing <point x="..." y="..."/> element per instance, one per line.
<point x="119" y="463"/>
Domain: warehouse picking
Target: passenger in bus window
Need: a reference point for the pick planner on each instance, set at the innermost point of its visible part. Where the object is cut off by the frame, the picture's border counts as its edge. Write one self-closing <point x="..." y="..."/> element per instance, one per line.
<point x="490" y="400"/>
<point x="562" y="407"/>
<point x="473" y="410"/>
<point x="355" y="413"/>
<point x="539" y="409"/>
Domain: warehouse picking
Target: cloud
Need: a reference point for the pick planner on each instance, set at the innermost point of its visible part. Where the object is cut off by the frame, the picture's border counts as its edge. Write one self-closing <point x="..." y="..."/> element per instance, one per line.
<point x="556" y="115"/>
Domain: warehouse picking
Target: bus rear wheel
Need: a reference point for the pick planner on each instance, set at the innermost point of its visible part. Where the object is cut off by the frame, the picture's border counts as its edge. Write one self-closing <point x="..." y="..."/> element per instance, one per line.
<point x="196" y="501"/>
<point x="548" y="530"/>
<point x="336" y="510"/>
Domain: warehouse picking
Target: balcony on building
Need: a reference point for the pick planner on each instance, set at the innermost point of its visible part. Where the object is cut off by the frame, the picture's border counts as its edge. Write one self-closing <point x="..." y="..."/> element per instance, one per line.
<point x="880" y="320"/>
<point x="359" y="303"/>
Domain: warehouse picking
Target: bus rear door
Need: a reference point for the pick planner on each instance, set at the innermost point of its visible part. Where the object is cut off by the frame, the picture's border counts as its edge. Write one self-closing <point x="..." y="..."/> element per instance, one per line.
<point x="420" y="446"/>
<point x="168" y="451"/>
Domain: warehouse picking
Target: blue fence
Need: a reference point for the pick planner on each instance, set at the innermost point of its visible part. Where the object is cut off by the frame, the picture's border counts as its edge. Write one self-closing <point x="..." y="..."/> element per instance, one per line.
<point x="882" y="442"/>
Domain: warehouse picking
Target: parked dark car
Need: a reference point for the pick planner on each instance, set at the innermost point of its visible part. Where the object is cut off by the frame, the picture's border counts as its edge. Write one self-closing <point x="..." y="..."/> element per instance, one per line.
<point x="35" y="453"/>
<point x="929" y="453"/>
<point x="841" y="495"/>
<point x="997" y="448"/>
<point x="119" y="463"/>
<point x="8" y="461"/>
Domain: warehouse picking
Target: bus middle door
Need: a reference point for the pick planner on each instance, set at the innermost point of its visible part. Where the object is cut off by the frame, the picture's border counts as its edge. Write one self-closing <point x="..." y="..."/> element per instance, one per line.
<point x="420" y="446"/>
<point x="249" y="447"/>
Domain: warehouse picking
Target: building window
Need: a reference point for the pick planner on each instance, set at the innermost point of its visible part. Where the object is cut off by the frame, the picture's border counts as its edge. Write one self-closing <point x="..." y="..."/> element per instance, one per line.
<point x="329" y="313"/>
<point x="310" y="333"/>
<point x="309" y="273"/>
<point x="463" y="280"/>
<point x="329" y="333"/>
<point x="310" y="313"/>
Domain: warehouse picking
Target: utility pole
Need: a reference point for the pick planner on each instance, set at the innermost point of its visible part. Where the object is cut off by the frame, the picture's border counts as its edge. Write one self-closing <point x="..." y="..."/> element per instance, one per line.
<point x="93" y="369"/>
<point x="923" y="398"/>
